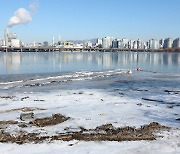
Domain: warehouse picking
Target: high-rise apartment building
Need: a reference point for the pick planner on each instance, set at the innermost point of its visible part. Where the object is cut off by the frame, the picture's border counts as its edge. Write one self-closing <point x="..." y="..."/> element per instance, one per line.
<point x="107" y="42"/>
<point x="176" y="43"/>
<point x="167" y="43"/>
<point x="115" y="43"/>
<point x="161" y="43"/>
<point x="153" y="44"/>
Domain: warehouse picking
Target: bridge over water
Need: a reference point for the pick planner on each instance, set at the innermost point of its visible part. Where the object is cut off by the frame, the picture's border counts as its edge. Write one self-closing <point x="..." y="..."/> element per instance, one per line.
<point x="53" y="49"/>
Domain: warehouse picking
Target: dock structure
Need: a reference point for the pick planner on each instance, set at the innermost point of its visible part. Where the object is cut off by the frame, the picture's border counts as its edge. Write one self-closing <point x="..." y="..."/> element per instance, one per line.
<point x="54" y="49"/>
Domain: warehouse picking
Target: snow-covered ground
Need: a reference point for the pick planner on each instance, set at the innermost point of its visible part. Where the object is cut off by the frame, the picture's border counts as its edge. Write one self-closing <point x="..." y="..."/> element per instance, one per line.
<point x="90" y="108"/>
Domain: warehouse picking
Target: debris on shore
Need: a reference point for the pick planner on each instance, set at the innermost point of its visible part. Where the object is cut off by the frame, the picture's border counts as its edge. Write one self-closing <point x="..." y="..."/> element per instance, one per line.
<point x="105" y="132"/>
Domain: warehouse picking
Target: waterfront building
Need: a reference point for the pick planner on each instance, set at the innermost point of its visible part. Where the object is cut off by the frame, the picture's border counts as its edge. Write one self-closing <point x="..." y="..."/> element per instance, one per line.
<point x="122" y="44"/>
<point x="153" y="44"/>
<point x="68" y="44"/>
<point x="15" y="43"/>
<point x="161" y="43"/>
<point x="79" y="45"/>
<point x="88" y="44"/>
<point x="140" y="44"/>
<point x="107" y="42"/>
<point x="115" y="43"/>
<point x="130" y="44"/>
<point x="1" y="42"/>
<point x="125" y="41"/>
<point x="176" y="43"/>
<point x="135" y="45"/>
<point x="45" y="44"/>
<point x="99" y="42"/>
<point x="167" y="43"/>
<point x="12" y="36"/>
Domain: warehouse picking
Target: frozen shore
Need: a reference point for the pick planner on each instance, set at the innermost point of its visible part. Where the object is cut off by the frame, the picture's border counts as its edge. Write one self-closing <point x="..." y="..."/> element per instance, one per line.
<point x="88" y="108"/>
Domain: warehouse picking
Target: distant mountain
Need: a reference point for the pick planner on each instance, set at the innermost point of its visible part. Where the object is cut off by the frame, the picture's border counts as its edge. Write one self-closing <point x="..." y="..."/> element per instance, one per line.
<point x="83" y="41"/>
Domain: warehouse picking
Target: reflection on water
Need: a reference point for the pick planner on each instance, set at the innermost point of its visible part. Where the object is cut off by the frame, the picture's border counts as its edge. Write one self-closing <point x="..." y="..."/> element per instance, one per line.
<point x="22" y="63"/>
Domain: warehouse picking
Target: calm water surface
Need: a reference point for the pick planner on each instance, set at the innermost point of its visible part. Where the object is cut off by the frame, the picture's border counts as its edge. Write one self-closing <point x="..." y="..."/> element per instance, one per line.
<point x="42" y="63"/>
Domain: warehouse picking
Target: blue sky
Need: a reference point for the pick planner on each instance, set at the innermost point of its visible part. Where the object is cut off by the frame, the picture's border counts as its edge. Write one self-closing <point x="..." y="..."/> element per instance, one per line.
<point x="86" y="19"/>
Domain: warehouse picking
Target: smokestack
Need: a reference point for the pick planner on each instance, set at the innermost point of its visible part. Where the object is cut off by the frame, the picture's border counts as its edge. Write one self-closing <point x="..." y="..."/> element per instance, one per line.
<point x="6" y="37"/>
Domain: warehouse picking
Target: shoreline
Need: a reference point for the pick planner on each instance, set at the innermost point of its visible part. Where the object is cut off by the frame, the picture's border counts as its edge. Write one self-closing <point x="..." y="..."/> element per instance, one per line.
<point x="54" y="49"/>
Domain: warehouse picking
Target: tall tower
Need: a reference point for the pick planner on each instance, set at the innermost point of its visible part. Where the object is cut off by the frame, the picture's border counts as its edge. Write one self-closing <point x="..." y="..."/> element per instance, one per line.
<point x="59" y="38"/>
<point x="6" y="37"/>
<point x="53" y="41"/>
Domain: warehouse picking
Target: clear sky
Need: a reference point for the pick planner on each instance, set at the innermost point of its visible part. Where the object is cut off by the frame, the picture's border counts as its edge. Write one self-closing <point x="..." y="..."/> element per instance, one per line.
<point x="87" y="19"/>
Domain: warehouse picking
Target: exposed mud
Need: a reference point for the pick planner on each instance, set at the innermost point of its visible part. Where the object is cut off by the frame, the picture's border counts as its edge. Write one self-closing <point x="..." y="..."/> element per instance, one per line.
<point x="24" y="109"/>
<point x="102" y="133"/>
<point x="172" y="91"/>
<point x="49" y="121"/>
<point x="9" y="122"/>
<point x="7" y="97"/>
<point x="24" y="98"/>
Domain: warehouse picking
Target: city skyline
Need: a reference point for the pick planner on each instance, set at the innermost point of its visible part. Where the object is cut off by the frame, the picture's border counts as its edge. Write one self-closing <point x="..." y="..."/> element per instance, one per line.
<point x="93" y="19"/>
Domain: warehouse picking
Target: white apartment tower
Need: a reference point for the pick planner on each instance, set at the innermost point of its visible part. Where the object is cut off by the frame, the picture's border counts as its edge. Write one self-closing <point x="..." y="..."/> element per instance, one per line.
<point x="107" y="42"/>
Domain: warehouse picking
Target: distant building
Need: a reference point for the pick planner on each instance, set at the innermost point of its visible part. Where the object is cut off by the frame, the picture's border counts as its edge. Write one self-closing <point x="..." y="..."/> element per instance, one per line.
<point x="115" y="43"/>
<point x="176" y="43"/>
<point x="130" y="44"/>
<point x="161" y="43"/>
<point x="45" y="44"/>
<point x="153" y="44"/>
<point x="107" y="42"/>
<point x="140" y="44"/>
<point x="68" y="44"/>
<point x="167" y="43"/>
<point x="12" y="36"/>
<point x="135" y="45"/>
<point x="88" y="44"/>
<point x="99" y="43"/>
<point x="1" y="42"/>
<point x="78" y="45"/>
<point x="15" y="43"/>
<point x="124" y="43"/>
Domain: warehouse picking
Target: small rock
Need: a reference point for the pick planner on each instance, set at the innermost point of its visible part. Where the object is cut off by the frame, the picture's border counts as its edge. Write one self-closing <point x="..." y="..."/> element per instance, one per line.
<point x="170" y="107"/>
<point x="39" y="100"/>
<point x="81" y="92"/>
<point x="23" y="125"/>
<point x="27" y="116"/>
<point x="103" y="114"/>
<point x="139" y="104"/>
<point x="24" y="98"/>
<point x="178" y="119"/>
